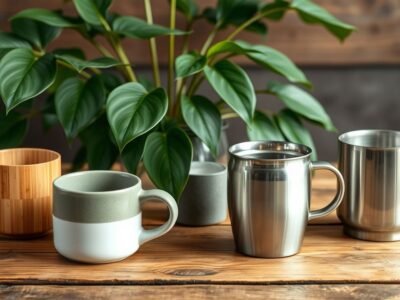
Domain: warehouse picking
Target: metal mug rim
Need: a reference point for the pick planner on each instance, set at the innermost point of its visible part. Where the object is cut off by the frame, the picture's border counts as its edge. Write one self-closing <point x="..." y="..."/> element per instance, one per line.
<point x="365" y="132"/>
<point x="302" y="155"/>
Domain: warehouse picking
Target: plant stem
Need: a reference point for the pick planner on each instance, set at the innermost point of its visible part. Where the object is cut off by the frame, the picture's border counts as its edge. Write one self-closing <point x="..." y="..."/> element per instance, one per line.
<point x="153" y="46"/>
<point x="229" y="116"/>
<point x="171" y="55"/>
<point x="252" y="20"/>
<point x="117" y="45"/>
<point x="103" y="50"/>
<point x="83" y="73"/>
<point x="209" y="40"/>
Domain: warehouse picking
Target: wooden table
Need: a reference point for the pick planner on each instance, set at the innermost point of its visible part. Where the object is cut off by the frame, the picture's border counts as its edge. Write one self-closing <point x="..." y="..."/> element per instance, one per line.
<point x="201" y="263"/>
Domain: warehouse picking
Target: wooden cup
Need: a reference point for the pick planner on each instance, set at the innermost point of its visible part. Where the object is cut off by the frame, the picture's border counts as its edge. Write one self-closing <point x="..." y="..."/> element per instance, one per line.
<point x="26" y="191"/>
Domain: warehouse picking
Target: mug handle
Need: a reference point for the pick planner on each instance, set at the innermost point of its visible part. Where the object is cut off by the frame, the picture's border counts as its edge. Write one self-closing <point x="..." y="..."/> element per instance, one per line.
<point x="151" y="234"/>
<point x="321" y="165"/>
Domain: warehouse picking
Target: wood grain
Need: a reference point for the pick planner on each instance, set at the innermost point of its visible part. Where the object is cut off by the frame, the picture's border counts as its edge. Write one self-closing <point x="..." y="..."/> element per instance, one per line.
<point x="205" y="255"/>
<point x="26" y="178"/>
<point x="211" y="292"/>
<point x="376" y="41"/>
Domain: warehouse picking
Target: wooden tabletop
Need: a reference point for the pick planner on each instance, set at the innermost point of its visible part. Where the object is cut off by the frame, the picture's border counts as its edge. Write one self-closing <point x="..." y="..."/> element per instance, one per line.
<point x="201" y="263"/>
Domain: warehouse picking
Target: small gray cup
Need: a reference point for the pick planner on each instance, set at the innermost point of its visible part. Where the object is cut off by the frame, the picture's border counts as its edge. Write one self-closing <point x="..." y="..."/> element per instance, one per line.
<point x="204" y="200"/>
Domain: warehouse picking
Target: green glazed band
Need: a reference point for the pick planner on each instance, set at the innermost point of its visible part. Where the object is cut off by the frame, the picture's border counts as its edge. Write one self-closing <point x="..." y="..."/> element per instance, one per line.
<point x="96" y="196"/>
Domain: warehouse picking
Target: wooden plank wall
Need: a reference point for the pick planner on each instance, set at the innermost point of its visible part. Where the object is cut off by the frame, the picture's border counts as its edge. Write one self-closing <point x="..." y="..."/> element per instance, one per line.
<point x="377" y="41"/>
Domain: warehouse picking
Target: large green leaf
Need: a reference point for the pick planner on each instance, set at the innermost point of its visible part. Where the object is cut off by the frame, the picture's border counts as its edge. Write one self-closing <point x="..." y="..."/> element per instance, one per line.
<point x="101" y="153"/>
<point x="140" y="29"/>
<point x="13" y="128"/>
<point x="275" y="61"/>
<point x="263" y="128"/>
<point x="78" y="103"/>
<point x="92" y="11"/>
<point x="23" y="76"/>
<point x="234" y="86"/>
<point x="275" y="10"/>
<point x="235" y="11"/>
<point x="37" y="33"/>
<point x="133" y="153"/>
<point x="45" y="16"/>
<point x="189" y="64"/>
<point x="302" y="103"/>
<point x="294" y="130"/>
<point x="80" y="64"/>
<point x="315" y="14"/>
<point x="265" y="56"/>
<point x="188" y="8"/>
<point x="11" y="41"/>
<point x="204" y="119"/>
<point x="167" y="158"/>
<point x="133" y="111"/>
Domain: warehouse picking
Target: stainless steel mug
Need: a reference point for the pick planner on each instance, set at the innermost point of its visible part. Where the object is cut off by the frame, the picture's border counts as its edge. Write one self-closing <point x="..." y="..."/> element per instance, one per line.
<point x="269" y="196"/>
<point x="370" y="163"/>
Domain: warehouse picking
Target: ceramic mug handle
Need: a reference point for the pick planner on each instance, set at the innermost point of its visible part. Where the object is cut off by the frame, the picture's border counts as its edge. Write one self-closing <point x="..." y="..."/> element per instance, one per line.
<point x="151" y="234"/>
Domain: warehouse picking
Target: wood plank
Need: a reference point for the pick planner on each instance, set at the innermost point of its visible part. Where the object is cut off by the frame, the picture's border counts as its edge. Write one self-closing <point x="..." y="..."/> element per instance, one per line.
<point x="198" y="292"/>
<point x="205" y="255"/>
<point x="377" y="40"/>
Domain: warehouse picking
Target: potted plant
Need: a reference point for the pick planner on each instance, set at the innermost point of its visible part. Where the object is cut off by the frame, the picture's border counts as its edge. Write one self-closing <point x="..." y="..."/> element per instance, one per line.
<point x="116" y="114"/>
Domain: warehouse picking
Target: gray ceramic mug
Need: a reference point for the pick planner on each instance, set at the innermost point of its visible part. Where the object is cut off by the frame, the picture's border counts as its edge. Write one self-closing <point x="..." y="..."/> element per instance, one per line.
<point x="97" y="216"/>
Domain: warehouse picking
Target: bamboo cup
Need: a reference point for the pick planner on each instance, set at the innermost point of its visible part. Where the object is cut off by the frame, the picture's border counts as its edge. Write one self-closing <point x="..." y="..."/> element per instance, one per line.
<point x="26" y="191"/>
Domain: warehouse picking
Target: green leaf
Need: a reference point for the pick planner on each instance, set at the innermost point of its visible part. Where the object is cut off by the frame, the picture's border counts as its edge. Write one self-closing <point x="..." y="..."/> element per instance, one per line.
<point x="275" y="61"/>
<point x="204" y="119"/>
<point x="23" y="76"/>
<point x="167" y="158"/>
<point x="189" y="64"/>
<point x="75" y="52"/>
<point x="101" y="153"/>
<point x="227" y="47"/>
<point x="132" y="111"/>
<point x="49" y="115"/>
<point x="140" y="29"/>
<point x="110" y="80"/>
<point x="10" y="41"/>
<point x="235" y="11"/>
<point x="133" y="153"/>
<point x="275" y="10"/>
<point x="80" y="64"/>
<point x="92" y="11"/>
<point x="78" y="102"/>
<point x="37" y="33"/>
<point x="234" y="86"/>
<point x="45" y="16"/>
<point x="294" y="130"/>
<point x="312" y="13"/>
<point x="13" y="128"/>
<point x="188" y="8"/>
<point x="79" y="160"/>
<point x="263" y="128"/>
<point x="302" y="103"/>
<point x="264" y="56"/>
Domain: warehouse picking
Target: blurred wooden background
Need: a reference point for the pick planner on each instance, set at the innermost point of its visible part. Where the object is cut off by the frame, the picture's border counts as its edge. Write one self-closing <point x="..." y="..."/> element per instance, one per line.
<point x="358" y="82"/>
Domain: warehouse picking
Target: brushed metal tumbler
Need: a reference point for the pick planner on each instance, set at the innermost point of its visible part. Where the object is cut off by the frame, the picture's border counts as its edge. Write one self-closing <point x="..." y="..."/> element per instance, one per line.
<point x="370" y="163"/>
<point x="269" y="196"/>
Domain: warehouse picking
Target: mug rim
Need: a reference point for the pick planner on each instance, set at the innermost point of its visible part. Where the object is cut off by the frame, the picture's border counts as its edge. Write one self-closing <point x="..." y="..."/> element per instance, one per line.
<point x="57" y="156"/>
<point x="57" y="185"/>
<point x="366" y="132"/>
<point x="222" y="169"/>
<point x="301" y="155"/>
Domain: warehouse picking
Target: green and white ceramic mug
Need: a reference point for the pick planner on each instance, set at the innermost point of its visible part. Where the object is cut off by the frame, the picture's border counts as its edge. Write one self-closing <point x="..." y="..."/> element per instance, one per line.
<point x="97" y="216"/>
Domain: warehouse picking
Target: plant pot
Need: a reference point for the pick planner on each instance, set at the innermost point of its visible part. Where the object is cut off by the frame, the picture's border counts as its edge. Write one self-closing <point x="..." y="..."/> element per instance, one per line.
<point x="204" y="200"/>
